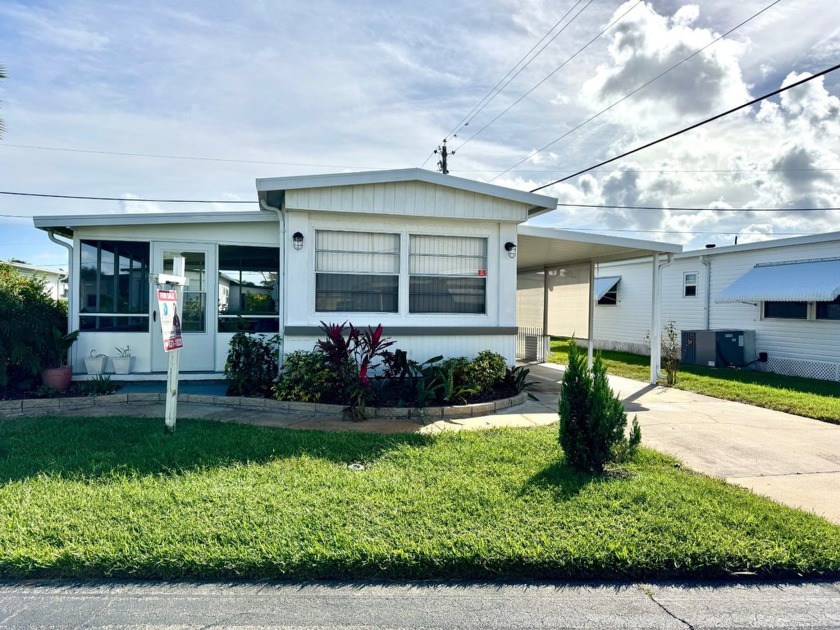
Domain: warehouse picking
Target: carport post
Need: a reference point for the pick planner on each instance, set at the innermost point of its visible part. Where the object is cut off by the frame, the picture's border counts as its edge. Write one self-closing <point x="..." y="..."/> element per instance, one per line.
<point x="655" y="322"/>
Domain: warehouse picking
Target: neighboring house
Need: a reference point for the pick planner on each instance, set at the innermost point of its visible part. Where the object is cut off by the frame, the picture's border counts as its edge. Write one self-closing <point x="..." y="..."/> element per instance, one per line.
<point x="431" y="257"/>
<point x="787" y="291"/>
<point x="55" y="281"/>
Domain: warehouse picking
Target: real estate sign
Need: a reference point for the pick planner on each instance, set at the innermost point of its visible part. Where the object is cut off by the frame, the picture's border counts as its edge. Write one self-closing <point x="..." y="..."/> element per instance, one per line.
<point x="170" y="322"/>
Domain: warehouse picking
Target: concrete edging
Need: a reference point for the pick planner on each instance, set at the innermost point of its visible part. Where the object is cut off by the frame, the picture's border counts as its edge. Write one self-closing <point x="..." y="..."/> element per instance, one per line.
<point x="46" y="406"/>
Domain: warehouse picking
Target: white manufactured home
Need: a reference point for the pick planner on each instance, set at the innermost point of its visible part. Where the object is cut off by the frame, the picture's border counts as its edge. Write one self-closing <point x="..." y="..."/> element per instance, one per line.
<point x="787" y="291"/>
<point x="431" y="257"/>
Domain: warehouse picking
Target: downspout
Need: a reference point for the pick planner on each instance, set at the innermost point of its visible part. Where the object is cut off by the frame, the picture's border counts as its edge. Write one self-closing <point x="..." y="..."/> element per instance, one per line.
<point x="708" y="316"/>
<point x="656" y="319"/>
<point x="281" y="232"/>
<point x="69" y="247"/>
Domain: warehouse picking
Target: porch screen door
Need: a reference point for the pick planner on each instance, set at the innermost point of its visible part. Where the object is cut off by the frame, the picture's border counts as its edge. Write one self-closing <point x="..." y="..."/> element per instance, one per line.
<point x="198" y="323"/>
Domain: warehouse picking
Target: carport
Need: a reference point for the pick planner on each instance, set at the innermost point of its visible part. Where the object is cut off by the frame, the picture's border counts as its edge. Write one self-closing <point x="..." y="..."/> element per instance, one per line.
<point x="557" y="286"/>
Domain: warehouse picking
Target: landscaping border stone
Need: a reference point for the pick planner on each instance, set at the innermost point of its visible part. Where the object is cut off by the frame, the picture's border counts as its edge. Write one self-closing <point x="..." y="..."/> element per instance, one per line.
<point x="47" y="406"/>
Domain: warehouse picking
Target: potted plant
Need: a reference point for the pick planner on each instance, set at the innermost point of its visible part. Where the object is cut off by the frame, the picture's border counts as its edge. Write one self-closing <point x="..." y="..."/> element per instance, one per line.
<point x="122" y="362"/>
<point x="56" y="373"/>
<point x="95" y="363"/>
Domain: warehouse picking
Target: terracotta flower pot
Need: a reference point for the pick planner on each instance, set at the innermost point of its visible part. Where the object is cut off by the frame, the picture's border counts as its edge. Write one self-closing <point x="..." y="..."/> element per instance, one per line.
<point x="57" y="378"/>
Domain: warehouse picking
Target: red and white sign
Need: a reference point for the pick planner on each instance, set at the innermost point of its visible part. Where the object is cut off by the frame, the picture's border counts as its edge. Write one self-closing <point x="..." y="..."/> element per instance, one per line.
<point x="170" y="322"/>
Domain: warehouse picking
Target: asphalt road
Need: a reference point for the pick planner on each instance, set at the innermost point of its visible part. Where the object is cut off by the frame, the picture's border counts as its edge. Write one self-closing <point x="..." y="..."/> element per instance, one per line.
<point x="421" y="605"/>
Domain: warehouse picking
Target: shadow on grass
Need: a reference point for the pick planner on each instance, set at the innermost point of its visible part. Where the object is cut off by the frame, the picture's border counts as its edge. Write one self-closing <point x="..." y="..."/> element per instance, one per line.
<point x="561" y="480"/>
<point x="90" y="448"/>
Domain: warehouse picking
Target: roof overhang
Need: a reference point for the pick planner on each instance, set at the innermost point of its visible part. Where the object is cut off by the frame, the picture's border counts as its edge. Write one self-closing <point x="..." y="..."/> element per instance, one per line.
<point x="540" y="247"/>
<point x="538" y="204"/>
<point x="66" y="225"/>
<point x="801" y="281"/>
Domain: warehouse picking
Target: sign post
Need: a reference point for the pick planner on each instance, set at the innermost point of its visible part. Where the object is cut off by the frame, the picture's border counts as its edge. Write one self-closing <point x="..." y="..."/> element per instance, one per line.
<point x="169" y="301"/>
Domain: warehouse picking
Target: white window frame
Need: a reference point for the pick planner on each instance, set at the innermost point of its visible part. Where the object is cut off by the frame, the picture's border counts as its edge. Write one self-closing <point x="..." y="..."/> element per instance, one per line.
<point x="687" y="284"/>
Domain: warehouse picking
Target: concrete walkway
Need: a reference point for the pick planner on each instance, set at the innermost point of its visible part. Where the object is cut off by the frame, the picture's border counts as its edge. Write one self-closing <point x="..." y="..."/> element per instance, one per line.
<point x="792" y="460"/>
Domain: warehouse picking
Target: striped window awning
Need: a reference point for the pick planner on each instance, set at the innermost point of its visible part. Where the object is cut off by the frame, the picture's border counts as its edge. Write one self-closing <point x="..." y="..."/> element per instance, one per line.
<point x="605" y="285"/>
<point x="801" y="281"/>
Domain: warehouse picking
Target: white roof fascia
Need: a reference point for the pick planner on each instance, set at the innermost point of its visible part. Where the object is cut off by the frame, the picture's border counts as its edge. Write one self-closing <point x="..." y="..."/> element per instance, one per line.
<point x="599" y="239"/>
<point x="770" y="244"/>
<point x="801" y="281"/>
<point x="538" y="203"/>
<point x="146" y="218"/>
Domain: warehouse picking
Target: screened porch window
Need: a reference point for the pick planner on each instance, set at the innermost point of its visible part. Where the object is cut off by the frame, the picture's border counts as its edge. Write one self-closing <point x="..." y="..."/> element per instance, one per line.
<point x="248" y="289"/>
<point x="114" y="286"/>
<point x="357" y="272"/>
<point x="447" y="274"/>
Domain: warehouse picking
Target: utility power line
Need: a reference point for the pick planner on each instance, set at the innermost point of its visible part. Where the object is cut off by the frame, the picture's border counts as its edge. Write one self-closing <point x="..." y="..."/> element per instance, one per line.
<point x="682" y="209"/>
<point x="551" y="74"/>
<point x="694" y="126"/>
<point x="638" y="89"/>
<point x="182" y="157"/>
<point x="94" y="198"/>
<point x="482" y="104"/>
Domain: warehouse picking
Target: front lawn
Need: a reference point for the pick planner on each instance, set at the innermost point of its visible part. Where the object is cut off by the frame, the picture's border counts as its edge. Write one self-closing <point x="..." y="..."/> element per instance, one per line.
<point x="115" y="497"/>
<point x="791" y="394"/>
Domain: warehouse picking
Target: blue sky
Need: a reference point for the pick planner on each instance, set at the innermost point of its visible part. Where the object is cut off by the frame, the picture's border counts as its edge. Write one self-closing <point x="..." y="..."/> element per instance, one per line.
<point x="264" y="89"/>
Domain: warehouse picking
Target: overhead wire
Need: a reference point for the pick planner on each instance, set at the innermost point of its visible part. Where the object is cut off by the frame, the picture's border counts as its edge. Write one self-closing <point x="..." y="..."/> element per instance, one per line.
<point x="638" y="89"/>
<point x="691" y="127"/>
<point x="551" y="74"/>
<point x="478" y="107"/>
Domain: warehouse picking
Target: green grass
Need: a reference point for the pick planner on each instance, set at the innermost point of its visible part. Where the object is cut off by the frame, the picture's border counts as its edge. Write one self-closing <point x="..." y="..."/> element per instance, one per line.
<point x="115" y="497"/>
<point x="791" y="394"/>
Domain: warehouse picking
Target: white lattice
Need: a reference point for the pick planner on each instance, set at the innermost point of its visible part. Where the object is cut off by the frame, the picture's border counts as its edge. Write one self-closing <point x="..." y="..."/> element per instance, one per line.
<point x="806" y="369"/>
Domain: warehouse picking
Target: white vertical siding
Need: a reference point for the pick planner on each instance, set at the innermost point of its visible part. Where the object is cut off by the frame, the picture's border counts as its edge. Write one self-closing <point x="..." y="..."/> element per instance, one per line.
<point x="406" y="199"/>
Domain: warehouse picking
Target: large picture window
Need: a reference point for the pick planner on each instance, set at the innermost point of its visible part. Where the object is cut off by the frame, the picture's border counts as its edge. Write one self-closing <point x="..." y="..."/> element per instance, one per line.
<point x="357" y="272"/>
<point x="248" y="289"/>
<point x="447" y="274"/>
<point x="114" y="286"/>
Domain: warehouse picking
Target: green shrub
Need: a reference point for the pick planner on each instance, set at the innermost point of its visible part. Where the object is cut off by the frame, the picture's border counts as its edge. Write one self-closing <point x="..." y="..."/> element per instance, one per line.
<point x="486" y="370"/>
<point x="592" y="418"/>
<point x="252" y="366"/>
<point x="305" y="377"/>
<point x="28" y="316"/>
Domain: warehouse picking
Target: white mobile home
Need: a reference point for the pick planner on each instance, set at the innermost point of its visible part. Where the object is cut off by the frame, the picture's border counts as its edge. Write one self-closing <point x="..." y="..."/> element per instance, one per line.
<point x="787" y="291"/>
<point x="55" y="281"/>
<point x="431" y="257"/>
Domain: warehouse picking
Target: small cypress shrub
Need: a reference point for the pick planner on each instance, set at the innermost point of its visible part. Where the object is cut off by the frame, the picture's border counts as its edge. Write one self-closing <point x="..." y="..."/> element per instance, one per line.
<point x="592" y="418"/>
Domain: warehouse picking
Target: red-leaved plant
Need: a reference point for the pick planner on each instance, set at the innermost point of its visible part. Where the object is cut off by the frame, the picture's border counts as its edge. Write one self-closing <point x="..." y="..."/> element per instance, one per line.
<point x="352" y="353"/>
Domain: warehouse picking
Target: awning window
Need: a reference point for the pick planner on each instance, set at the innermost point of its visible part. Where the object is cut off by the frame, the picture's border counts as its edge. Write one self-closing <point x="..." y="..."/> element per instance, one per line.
<point x="605" y="285"/>
<point x="805" y="281"/>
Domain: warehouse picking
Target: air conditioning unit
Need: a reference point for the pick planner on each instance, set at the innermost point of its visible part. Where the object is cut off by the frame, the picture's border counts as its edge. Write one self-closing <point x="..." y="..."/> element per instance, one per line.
<point x="718" y="348"/>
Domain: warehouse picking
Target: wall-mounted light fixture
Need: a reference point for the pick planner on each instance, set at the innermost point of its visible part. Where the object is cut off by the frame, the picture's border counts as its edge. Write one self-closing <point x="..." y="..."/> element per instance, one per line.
<point x="297" y="240"/>
<point x="510" y="248"/>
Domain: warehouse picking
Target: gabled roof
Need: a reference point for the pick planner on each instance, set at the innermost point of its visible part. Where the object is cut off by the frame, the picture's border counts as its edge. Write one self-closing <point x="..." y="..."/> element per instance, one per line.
<point x="537" y="203"/>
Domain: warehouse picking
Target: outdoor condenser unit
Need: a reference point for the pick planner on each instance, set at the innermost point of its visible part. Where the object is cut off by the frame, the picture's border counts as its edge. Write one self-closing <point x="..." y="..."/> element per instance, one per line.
<point x="718" y="348"/>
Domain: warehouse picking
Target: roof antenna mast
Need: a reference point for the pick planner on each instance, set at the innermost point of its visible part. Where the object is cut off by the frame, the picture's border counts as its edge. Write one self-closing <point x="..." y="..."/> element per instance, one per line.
<point x="441" y="150"/>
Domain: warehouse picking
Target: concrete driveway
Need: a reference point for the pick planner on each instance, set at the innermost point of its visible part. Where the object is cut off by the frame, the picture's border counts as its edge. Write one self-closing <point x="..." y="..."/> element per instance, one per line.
<point x="792" y="460"/>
